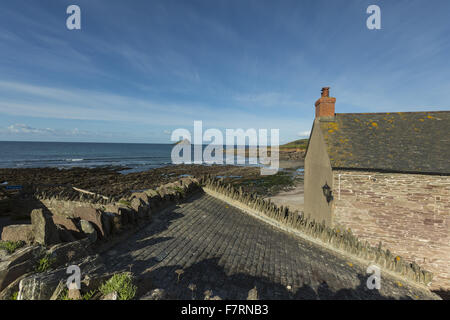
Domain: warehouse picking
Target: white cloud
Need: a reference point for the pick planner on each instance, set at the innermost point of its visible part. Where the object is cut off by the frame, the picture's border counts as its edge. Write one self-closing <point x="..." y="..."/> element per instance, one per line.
<point x="23" y="128"/>
<point x="304" y="134"/>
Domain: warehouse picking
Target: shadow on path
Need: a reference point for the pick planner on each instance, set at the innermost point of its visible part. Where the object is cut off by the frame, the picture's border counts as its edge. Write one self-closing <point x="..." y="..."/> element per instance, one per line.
<point x="208" y="275"/>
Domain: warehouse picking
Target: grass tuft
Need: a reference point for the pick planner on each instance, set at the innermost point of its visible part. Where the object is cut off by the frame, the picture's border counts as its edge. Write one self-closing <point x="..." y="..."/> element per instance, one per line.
<point x="122" y="283"/>
<point x="14" y="296"/>
<point x="87" y="296"/>
<point x="11" y="246"/>
<point x="45" y="263"/>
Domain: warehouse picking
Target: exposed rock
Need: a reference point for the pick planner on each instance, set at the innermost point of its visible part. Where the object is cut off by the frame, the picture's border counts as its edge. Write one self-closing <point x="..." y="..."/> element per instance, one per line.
<point x="151" y="193"/>
<point x="19" y="263"/>
<point x="44" y="229"/>
<point x="253" y="294"/>
<point x="59" y="290"/>
<point x="74" y="294"/>
<point x="67" y="252"/>
<point x="66" y="222"/>
<point x="41" y="286"/>
<point x="140" y="207"/>
<point x="89" y="230"/>
<point x="113" y="208"/>
<point x="13" y="287"/>
<point x="117" y="224"/>
<point x="108" y="222"/>
<point x="141" y="196"/>
<point x="92" y="215"/>
<point x="155" y="294"/>
<point x="111" y="296"/>
<point x="208" y="294"/>
<point x="18" y="232"/>
<point x="164" y="193"/>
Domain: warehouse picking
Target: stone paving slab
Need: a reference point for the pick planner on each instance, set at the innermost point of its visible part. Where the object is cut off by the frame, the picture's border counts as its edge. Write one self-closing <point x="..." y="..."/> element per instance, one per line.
<point x="224" y="250"/>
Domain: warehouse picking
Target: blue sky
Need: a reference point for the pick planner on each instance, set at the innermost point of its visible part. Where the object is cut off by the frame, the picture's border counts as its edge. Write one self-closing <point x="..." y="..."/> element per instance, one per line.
<point x="139" y="69"/>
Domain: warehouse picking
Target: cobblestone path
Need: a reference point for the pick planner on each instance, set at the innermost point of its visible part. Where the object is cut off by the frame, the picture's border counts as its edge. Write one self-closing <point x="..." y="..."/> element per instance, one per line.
<point x="224" y="250"/>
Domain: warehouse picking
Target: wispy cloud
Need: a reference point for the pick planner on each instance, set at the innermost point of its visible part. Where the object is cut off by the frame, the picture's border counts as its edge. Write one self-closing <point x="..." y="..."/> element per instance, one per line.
<point x="48" y="102"/>
<point x="304" y="134"/>
<point x="23" y="128"/>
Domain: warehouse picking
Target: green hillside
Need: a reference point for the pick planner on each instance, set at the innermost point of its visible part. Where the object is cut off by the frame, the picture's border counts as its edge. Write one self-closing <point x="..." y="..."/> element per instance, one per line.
<point x="300" y="144"/>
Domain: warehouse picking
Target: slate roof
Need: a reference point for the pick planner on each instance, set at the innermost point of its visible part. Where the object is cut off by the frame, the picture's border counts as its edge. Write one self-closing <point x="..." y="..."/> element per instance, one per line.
<point x="416" y="142"/>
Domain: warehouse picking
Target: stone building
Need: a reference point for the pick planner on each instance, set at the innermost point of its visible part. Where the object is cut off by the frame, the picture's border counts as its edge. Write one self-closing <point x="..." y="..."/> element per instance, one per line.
<point x="386" y="176"/>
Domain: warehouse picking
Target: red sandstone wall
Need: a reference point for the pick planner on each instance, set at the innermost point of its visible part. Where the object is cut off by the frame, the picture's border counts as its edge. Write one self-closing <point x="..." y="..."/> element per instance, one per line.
<point x="409" y="213"/>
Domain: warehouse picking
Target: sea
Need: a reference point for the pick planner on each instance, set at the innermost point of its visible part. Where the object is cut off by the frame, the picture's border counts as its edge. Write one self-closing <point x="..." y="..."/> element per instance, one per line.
<point x="134" y="157"/>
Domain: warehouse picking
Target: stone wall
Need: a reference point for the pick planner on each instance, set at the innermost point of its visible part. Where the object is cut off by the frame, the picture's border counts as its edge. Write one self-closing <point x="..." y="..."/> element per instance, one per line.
<point x="67" y="208"/>
<point x="409" y="213"/>
<point x="67" y="224"/>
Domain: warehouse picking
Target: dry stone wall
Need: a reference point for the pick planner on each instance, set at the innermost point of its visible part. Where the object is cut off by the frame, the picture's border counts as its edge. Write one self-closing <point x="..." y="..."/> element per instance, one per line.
<point x="108" y="216"/>
<point x="68" y="224"/>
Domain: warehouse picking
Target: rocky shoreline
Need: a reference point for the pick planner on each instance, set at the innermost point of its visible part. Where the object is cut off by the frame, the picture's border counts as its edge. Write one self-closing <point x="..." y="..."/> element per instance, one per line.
<point x="113" y="183"/>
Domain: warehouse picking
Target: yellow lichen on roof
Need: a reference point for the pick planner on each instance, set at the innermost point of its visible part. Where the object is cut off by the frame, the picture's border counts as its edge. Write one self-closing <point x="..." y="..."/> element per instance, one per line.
<point x="376" y="140"/>
<point x="332" y="126"/>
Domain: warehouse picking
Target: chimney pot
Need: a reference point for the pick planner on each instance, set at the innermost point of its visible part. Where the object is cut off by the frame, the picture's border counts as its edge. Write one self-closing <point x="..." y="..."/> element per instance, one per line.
<point x="325" y="106"/>
<point x="326" y="92"/>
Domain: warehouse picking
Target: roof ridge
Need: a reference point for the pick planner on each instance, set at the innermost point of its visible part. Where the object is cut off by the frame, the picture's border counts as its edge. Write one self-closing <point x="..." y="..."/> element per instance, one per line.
<point x="394" y="112"/>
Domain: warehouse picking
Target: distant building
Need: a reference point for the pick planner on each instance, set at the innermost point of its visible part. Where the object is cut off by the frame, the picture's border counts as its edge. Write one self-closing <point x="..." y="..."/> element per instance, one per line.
<point x="384" y="175"/>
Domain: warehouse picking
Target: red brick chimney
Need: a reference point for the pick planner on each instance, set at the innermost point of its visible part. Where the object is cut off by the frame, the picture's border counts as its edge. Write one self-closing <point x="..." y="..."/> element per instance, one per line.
<point x="325" y="105"/>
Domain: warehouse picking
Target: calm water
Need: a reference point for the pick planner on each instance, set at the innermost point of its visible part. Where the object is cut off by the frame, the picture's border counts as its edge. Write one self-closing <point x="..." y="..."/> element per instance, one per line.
<point x="138" y="157"/>
<point x="66" y="155"/>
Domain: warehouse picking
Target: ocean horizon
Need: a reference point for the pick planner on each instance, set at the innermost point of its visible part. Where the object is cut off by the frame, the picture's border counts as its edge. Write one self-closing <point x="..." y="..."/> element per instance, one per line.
<point x="66" y="155"/>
